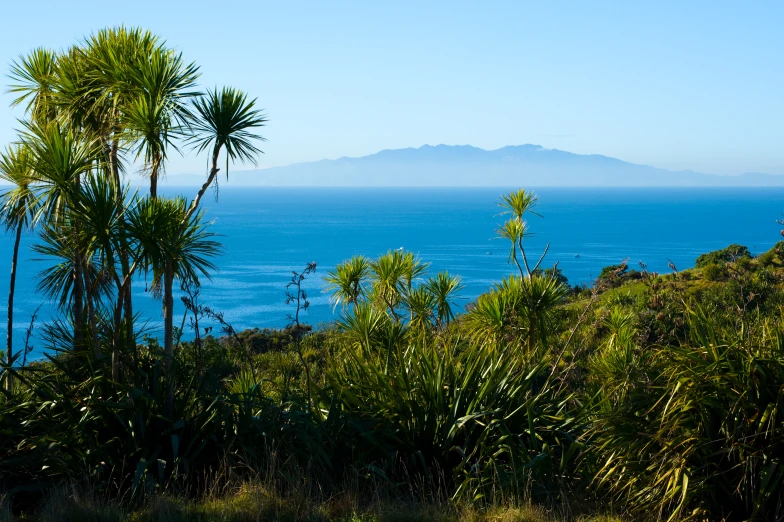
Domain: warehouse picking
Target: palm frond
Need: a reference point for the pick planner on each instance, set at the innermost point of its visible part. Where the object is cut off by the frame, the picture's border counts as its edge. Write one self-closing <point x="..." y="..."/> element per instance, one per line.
<point x="225" y="118"/>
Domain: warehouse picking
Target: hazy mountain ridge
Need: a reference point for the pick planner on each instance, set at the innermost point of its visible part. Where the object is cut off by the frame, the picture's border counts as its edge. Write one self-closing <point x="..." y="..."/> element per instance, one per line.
<point x="464" y="165"/>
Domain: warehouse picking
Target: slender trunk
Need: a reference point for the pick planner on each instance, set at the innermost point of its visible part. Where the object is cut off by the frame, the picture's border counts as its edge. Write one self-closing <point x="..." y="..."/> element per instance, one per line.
<point x="517" y="262"/>
<point x="391" y="309"/>
<point x="168" y="335"/>
<point x="210" y="179"/>
<point x="168" y="315"/>
<point x="78" y="285"/>
<point x="123" y="288"/>
<point x="78" y="303"/>
<point x="130" y="338"/>
<point x="525" y="258"/>
<point x="114" y="161"/>
<point x="9" y="350"/>
<point x="93" y="324"/>
<point x="116" y="337"/>
<point x="154" y="178"/>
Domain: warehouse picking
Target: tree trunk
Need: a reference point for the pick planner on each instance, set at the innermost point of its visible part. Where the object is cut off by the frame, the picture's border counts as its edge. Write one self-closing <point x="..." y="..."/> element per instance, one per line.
<point x="114" y="162"/>
<point x="168" y="335"/>
<point x="78" y="304"/>
<point x="91" y="319"/>
<point x="9" y="351"/>
<point x="116" y="338"/>
<point x="210" y="179"/>
<point x="130" y="339"/>
<point x="154" y="168"/>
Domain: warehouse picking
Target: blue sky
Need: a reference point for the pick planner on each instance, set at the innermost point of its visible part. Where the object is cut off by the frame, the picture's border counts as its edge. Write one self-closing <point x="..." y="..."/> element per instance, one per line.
<point x="679" y="85"/>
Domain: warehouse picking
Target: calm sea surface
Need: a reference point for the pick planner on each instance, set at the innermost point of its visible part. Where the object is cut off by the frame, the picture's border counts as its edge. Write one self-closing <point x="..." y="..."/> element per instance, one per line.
<point x="268" y="232"/>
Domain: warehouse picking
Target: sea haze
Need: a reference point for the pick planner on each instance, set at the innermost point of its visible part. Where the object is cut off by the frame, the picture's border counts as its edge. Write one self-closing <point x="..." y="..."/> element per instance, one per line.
<point x="268" y="232"/>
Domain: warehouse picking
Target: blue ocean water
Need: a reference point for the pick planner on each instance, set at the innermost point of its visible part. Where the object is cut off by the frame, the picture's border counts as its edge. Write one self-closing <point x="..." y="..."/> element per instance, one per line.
<point x="268" y="232"/>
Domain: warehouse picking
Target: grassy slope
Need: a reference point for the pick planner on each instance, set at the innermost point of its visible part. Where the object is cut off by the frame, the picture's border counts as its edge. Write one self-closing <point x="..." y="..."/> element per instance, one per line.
<point x="691" y="280"/>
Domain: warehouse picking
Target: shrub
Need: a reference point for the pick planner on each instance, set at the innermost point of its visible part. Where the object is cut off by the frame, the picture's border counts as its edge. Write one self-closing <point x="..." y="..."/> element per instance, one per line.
<point x="743" y="263"/>
<point x="699" y="431"/>
<point x="481" y="419"/>
<point x="554" y="273"/>
<point x="613" y="276"/>
<point x="725" y="255"/>
<point x="767" y="259"/>
<point x="715" y="272"/>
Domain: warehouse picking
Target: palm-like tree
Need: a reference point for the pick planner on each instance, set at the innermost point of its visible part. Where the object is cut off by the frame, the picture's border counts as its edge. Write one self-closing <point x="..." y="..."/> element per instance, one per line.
<point x="542" y="296"/>
<point x="100" y="95"/>
<point x="102" y="206"/>
<point x="224" y="119"/>
<point x="517" y="309"/>
<point x="158" y="110"/>
<point x="173" y="246"/>
<point x="422" y="305"/>
<point x="364" y="325"/>
<point x="518" y="204"/>
<point x="444" y="289"/>
<point x="121" y="91"/>
<point x="413" y="269"/>
<point x="347" y="280"/>
<point x="35" y="84"/>
<point x="61" y="158"/>
<point x="494" y="318"/>
<point x="393" y="275"/>
<point x="17" y="210"/>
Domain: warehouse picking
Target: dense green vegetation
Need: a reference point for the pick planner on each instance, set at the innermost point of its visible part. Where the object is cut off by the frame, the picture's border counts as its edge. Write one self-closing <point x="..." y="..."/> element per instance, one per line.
<point x="646" y="396"/>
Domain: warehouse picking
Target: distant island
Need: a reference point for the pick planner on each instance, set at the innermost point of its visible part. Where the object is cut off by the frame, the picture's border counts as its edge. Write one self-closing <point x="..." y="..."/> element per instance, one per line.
<point x="464" y="165"/>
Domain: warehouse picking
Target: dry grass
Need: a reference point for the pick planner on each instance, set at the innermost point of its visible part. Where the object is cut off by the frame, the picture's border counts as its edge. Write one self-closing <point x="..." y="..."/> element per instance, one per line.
<point x="254" y="503"/>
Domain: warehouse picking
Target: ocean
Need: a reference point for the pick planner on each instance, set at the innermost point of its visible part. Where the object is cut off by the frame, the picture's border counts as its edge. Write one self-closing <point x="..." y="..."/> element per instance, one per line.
<point x="268" y="232"/>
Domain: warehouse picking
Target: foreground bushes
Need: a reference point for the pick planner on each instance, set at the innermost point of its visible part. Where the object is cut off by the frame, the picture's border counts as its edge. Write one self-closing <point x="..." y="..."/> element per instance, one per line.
<point x="697" y="430"/>
<point x="692" y="429"/>
<point x="658" y="395"/>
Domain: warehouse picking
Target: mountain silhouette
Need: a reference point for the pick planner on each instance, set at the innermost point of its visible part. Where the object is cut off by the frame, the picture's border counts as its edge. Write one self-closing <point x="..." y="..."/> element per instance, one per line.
<point x="464" y="165"/>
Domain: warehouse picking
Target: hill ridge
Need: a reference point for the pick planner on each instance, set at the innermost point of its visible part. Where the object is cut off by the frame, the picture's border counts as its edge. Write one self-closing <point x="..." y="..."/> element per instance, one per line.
<point x="467" y="165"/>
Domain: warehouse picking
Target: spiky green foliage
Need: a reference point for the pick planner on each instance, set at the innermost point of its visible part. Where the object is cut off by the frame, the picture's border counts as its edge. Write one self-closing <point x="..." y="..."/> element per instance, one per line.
<point x="158" y="110"/>
<point x="35" y="83"/>
<point x="697" y="431"/>
<point x="477" y="418"/>
<point x="347" y="280"/>
<point x="226" y="119"/>
<point x="18" y="203"/>
<point x="517" y="310"/>
<point x="393" y="276"/>
<point x="445" y="289"/>
<point x="155" y="224"/>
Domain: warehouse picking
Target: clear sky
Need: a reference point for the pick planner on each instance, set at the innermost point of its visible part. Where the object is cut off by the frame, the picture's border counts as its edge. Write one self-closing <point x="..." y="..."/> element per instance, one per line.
<point x="679" y="85"/>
